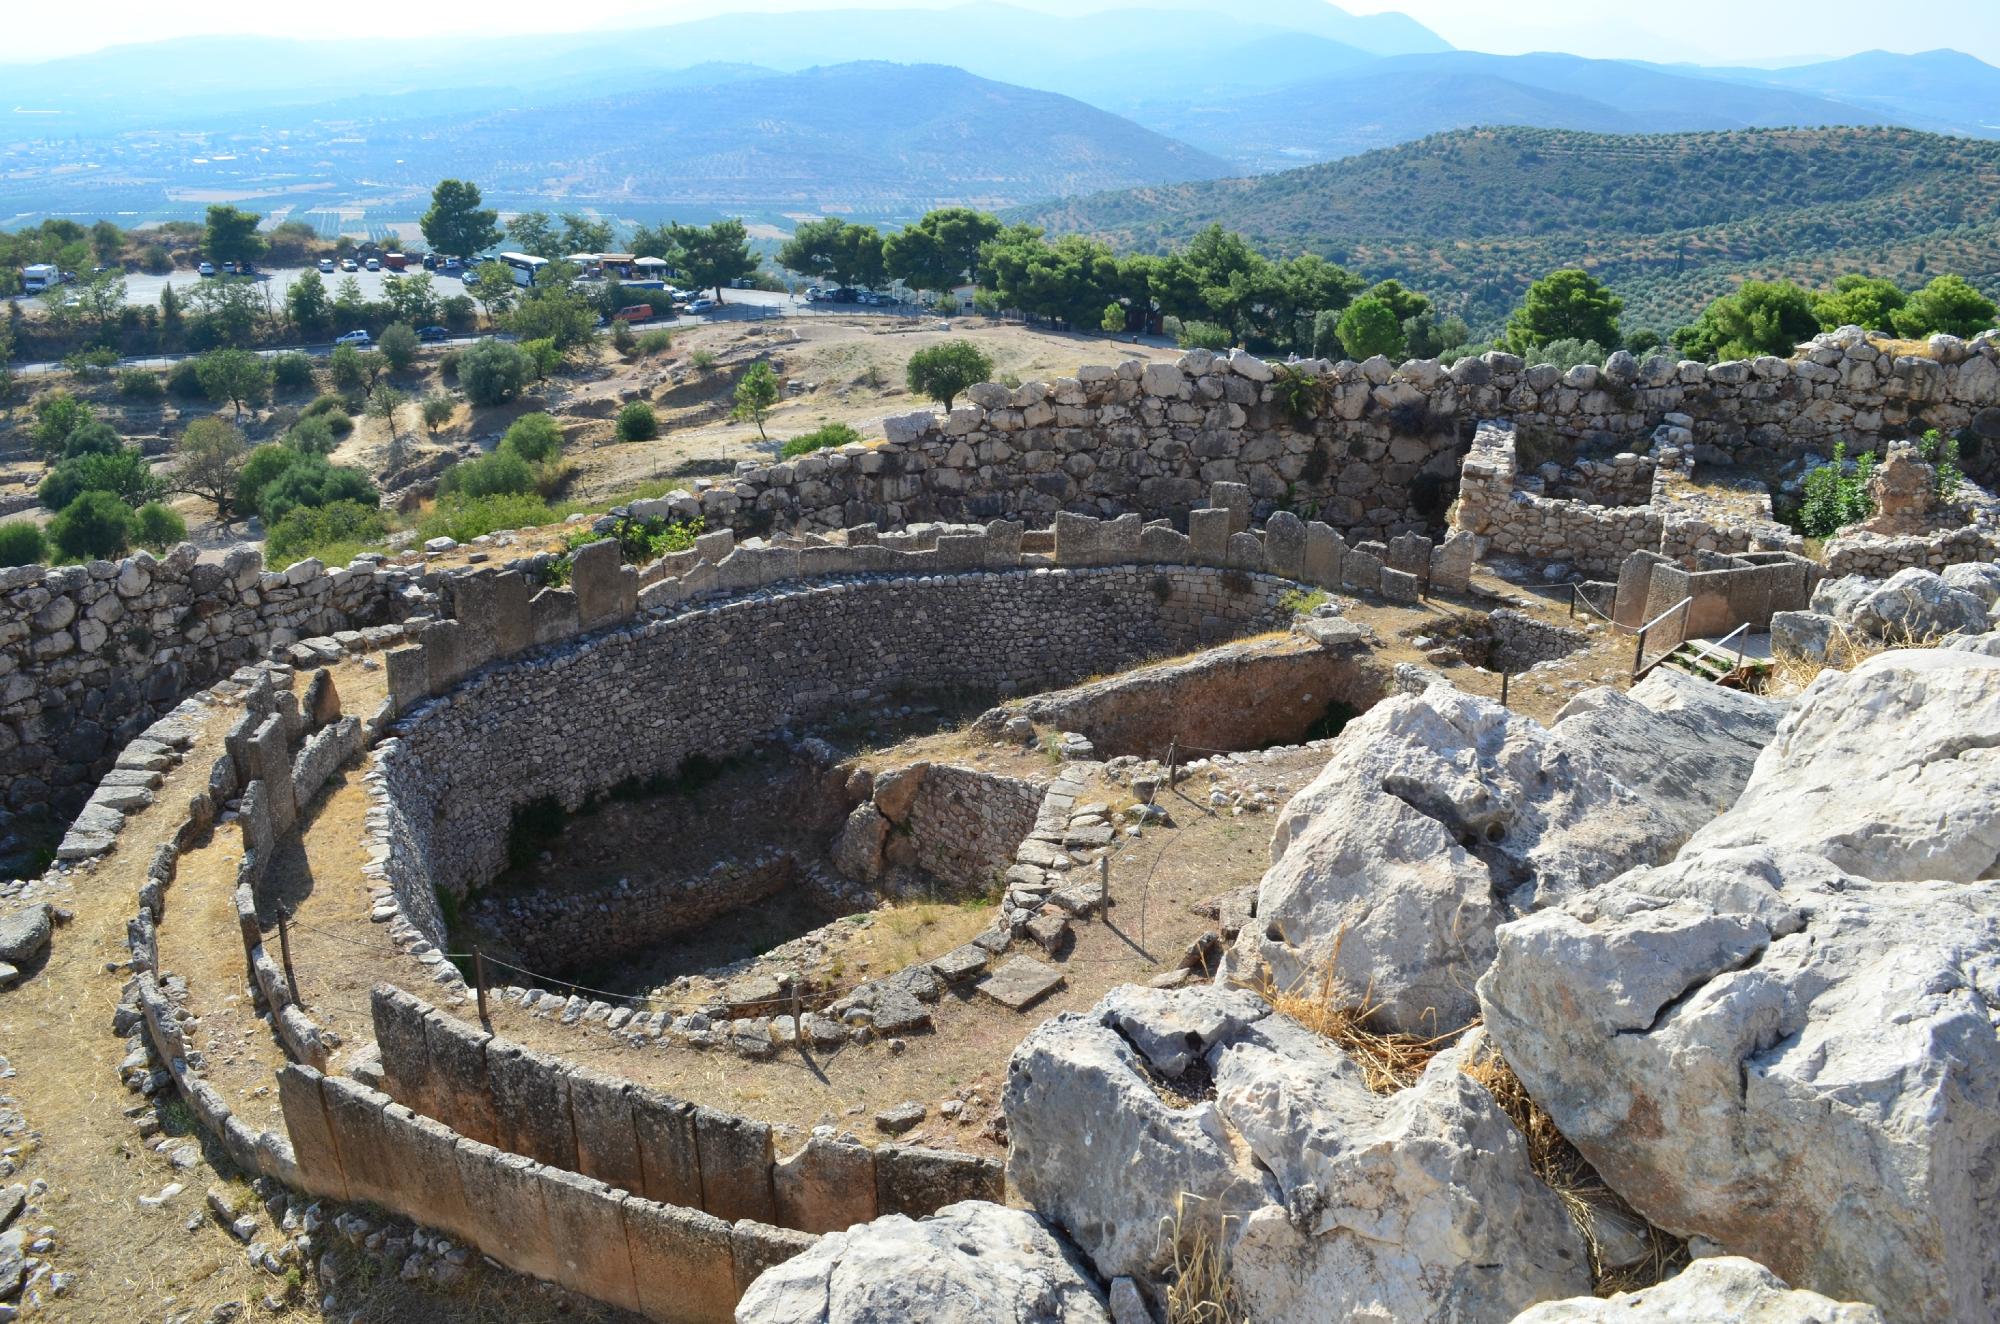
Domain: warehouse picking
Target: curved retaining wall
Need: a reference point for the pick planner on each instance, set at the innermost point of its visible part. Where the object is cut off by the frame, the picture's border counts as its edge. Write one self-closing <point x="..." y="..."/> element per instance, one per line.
<point x="575" y="720"/>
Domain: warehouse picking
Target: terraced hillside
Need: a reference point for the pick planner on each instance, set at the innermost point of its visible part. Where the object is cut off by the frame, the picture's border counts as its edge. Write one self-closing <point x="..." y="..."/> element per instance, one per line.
<point x="1670" y="220"/>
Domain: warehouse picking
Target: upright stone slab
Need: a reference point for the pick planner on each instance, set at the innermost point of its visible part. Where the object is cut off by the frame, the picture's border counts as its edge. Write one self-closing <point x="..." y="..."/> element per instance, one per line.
<point x="1208" y="535"/>
<point x="1361" y="571"/>
<point x="513" y="619"/>
<point x="668" y="1151"/>
<point x="322" y="702"/>
<point x="1078" y="540"/>
<point x="919" y="1182"/>
<point x="503" y="1192"/>
<point x="735" y="1165"/>
<point x="1234" y="498"/>
<point x="459" y="1087"/>
<point x="1325" y="549"/>
<point x="715" y="547"/>
<point x="313" y="1147"/>
<point x="442" y="667"/>
<point x="407" y="1073"/>
<point x="682" y="1265"/>
<point x="1246" y="552"/>
<point x="408" y="677"/>
<point x="1119" y="540"/>
<point x="828" y="1186"/>
<point x="1285" y="545"/>
<point x="272" y="762"/>
<point x="531" y="1104"/>
<point x="552" y="615"/>
<point x="757" y="1246"/>
<point x="595" y="574"/>
<point x="1003" y="542"/>
<point x="587" y="1225"/>
<point x="607" y="1146"/>
<point x="961" y="551"/>
<point x="1159" y="544"/>
<point x="1451" y="562"/>
<point x="1399" y="585"/>
<point x="1409" y="553"/>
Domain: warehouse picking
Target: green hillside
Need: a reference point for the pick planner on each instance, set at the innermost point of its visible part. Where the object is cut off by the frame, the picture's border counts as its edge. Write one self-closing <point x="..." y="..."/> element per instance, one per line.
<point x="1670" y="221"/>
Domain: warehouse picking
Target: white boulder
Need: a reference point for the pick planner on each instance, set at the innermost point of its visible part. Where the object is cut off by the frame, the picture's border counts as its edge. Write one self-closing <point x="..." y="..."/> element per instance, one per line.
<point x="1911" y="606"/>
<point x="1331" y="1201"/>
<point x="1723" y="1290"/>
<point x="969" y="1263"/>
<point x="1891" y="771"/>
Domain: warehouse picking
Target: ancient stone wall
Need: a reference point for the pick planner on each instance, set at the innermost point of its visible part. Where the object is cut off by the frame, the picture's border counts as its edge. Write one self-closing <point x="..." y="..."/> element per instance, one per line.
<point x="90" y="654"/>
<point x="577" y="719"/>
<point x="1371" y="448"/>
<point x="964" y="824"/>
<point x="1246" y="696"/>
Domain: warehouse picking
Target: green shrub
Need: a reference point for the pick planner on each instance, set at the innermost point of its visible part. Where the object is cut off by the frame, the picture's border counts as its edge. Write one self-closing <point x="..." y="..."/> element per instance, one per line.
<point x="622" y="338"/>
<point x="93" y="438"/>
<point x="702" y="359"/>
<point x="157" y="527"/>
<point x="1204" y="335"/>
<point x="317" y="530"/>
<point x="95" y="526"/>
<point x="324" y="404"/>
<point x="502" y="473"/>
<point x="311" y="481"/>
<point x="1941" y="452"/>
<point x="833" y="434"/>
<point x="637" y="422"/>
<point x="123" y="474"/>
<point x="57" y="414"/>
<point x="1832" y="498"/>
<point x="21" y="543"/>
<point x="292" y="372"/>
<point x="657" y="341"/>
<point x="399" y="346"/>
<point x="139" y="385"/>
<point x="448" y="364"/>
<point x="464" y="518"/>
<point x="942" y="372"/>
<point x="534" y="437"/>
<point x="184" y="381"/>
<point x="313" y="435"/>
<point x="493" y="372"/>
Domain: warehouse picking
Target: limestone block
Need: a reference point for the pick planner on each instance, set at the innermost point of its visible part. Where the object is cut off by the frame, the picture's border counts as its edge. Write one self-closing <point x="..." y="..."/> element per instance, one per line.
<point x="917" y="1182"/>
<point x="1208" y="535"/>
<point x="736" y="1160"/>
<point x="827" y="1186"/>
<point x="1324" y="551"/>
<point x="1285" y="545"/>
<point x="1078" y="540"/>
<point x="531" y="1104"/>
<point x="313" y="1147"/>
<point x="505" y="1196"/>
<point x="715" y="547"/>
<point x="1234" y="498"/>
<point x="587" y="1228"/>
<point x="1245" y="552"/>
<point x="406" y="1060"/>
<point x="552" y="615"/>
<point x="607" y="1145"/>
<point x="1399" y="585"/>
<point x="443" y="665"/>
<point x="683" y="1267"/>
<point x="668" y="1153"/>
<point x="597" y="575"/>
<point x="1361" y="571"/>
<point x="458" y="1088"/>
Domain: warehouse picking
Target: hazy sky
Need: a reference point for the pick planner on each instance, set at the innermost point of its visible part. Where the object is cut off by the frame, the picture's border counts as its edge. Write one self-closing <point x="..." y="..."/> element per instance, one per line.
<point x="1715" y="31"/>
<point x="1718" y="31"/>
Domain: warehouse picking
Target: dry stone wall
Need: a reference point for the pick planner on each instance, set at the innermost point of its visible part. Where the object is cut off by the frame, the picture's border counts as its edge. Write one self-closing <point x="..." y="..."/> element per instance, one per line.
<point x="1371" y="448"/>
<point x="90" y="654"/>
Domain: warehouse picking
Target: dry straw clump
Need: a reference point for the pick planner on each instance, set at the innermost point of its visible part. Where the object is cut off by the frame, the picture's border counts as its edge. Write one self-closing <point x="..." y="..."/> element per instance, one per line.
<point x="1200" y="1290"/>
<point x="1846" y="649"/>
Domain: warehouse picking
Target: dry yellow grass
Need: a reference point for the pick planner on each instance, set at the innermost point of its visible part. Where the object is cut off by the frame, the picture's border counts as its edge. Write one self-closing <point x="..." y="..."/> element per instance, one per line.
<point x="1847" y="649"/>
<point x="1201" y="1290"/>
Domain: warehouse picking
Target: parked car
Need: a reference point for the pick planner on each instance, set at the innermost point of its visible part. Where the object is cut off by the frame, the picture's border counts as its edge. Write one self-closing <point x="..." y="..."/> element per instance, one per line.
<point x="703" y="306"/>
<point x="374" y="264"/>
<point x="206" y="269"/>
<point x="361" y="338"/>
<point x="348" y="264"/>
<point x="432" y="335"/>
<point x="326" y="265"/>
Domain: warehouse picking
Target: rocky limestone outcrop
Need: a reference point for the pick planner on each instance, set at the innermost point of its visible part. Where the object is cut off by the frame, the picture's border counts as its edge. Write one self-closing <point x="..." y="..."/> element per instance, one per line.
<point x="1439" y="816"/>
<point x="1785" y="1041"/>
<point x="1911" y="606"/>
<point x="1333" y="1202"/>
<point x="969" y="1263"/>
<point x="1891" y="771"/>
<point x="1726" y="1289"/>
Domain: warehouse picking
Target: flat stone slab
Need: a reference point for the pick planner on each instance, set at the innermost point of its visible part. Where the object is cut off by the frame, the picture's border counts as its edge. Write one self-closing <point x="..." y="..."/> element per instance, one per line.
<point x="1021" y="983"/>
<point x="960" y="964"/>
<point x="897" y="1012"/>
<point x="903" y="1117"/>
<point x="1049" y="930"/>
<point x="1333" y="631"/>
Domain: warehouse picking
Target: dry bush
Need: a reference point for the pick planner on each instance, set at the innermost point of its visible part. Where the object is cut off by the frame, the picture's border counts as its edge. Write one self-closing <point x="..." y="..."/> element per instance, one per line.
<point x="1583" y="1193"/>
<point x="1845" y="650"/>
<point x="1201" y="1290"/>
<point x="1325" y="1005"/>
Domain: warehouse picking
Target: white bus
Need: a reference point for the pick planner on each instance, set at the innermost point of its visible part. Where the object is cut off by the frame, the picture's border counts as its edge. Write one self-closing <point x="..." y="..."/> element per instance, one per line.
<point x="526" y="268"/>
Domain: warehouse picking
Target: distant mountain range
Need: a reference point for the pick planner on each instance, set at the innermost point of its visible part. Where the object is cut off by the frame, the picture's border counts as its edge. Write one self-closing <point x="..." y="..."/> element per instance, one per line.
<point x="871" y="112"/>
<point x="1472" y="217"/>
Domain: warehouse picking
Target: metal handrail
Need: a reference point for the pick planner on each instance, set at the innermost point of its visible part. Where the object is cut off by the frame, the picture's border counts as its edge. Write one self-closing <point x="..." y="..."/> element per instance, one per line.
<point x="1639" y="667"/>
<point x="1705" y="649"/>
<point x="1576" y="594"/>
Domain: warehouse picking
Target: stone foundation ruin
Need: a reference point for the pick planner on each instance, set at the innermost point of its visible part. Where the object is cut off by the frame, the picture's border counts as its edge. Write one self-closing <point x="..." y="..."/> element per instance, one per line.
<point x="1452" y="857"/>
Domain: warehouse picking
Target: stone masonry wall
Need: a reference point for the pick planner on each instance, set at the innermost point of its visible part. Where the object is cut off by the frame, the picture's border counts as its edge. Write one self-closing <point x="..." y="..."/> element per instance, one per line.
<point x="90" y="654"/>
<point x="578" y="718"/>
<point x="1376" y="451"/>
